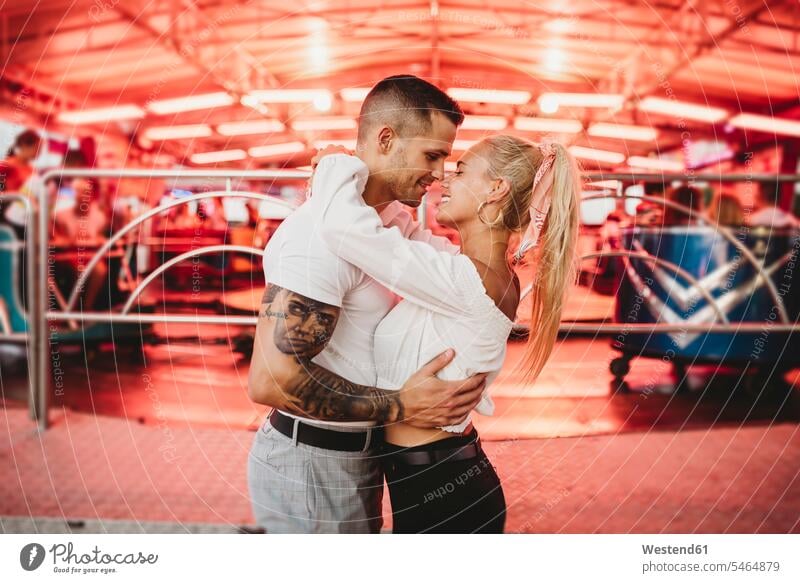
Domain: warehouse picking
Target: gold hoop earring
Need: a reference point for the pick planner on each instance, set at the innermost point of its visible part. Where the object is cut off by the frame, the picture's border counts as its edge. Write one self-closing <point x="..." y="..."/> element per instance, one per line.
<point x="498" y="219"/>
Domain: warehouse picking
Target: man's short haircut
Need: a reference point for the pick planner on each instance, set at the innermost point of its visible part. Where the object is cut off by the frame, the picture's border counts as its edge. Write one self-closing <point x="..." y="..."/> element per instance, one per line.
<point x="406" y="103"/>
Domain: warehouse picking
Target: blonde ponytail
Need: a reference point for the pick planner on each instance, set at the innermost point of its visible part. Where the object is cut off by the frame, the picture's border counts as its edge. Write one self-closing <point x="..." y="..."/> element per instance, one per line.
<point x="556" y="263"/>
<point x="554" y="259"/>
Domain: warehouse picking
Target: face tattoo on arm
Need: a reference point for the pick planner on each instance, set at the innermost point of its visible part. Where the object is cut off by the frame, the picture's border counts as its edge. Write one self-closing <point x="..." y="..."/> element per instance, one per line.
<point x="303" y="327"/>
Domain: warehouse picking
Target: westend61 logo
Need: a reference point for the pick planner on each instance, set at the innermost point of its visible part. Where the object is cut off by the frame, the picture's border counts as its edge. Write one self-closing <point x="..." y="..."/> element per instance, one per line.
<point x="65" y="560"/>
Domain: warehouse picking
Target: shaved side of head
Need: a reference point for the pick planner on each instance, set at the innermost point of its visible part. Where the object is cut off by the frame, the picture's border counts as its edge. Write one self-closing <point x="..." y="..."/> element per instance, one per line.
<point x="405" y="103"/>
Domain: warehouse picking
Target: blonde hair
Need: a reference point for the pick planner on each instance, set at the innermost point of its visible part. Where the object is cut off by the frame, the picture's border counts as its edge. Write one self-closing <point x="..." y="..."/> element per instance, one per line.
<point x="726" y="210"/>
<point x="517" y="160"/>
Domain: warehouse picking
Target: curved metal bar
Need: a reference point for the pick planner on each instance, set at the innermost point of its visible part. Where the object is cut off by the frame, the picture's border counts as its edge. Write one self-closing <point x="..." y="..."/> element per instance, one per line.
<point x="193" y="253"/>
<point x="127" y="173"/>
<point x="149" y="214"/>
<point x="19" y="197"/>
<point x="737" y="327"/>
<point x="26" y="202"/>
<point x="646" y="257"/>
<point x="91" y="317"/>
<point x="691" y="177"/>
<point x="304" y="174"/>
<point x="724" y="232"/>
<point x="39" y="316"/>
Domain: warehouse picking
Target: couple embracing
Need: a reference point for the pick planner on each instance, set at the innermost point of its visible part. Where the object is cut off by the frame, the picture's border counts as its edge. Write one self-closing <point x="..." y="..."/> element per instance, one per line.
<point x="376" y="340"/>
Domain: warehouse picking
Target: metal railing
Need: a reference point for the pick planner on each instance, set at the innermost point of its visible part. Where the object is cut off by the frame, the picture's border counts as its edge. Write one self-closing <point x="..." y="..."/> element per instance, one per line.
<point x="148" y="215"/>
<point x="182" y="257"/>
<point x="29" y="338"/>
<point x="725" y="232"/>
<point x="786" y="323"/>
<point x="41" y="317"/>
<point x="39" y="384"/>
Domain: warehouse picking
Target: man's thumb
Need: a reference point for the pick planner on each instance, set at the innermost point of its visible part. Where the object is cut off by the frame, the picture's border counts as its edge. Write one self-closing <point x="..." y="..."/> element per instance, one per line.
<point x="439" y="362"/>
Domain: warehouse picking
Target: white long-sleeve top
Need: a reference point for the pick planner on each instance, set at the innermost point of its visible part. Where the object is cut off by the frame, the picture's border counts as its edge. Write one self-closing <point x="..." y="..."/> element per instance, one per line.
<point x="444" y="304"/>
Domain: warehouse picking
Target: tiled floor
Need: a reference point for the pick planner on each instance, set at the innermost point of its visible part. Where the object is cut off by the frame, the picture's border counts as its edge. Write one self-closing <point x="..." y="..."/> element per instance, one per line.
<point x="94" y="468"/>
<point x="205" y="384"/>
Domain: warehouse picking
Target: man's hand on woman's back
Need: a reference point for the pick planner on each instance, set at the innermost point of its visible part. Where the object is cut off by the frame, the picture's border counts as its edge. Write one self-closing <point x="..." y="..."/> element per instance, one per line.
<point x="429" y="401"/>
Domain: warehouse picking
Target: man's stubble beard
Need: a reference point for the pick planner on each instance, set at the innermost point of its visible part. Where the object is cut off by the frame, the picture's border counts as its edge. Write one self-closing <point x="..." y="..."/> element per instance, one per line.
<point x="404" y="193"/>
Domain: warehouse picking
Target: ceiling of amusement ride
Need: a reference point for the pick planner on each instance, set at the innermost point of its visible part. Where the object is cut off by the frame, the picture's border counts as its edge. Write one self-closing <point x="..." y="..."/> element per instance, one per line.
<point x="254" y="83"/>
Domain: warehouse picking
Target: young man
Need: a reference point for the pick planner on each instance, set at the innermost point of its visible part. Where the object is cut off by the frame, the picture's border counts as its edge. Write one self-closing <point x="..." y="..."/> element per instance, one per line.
<point x="313" y="466"/>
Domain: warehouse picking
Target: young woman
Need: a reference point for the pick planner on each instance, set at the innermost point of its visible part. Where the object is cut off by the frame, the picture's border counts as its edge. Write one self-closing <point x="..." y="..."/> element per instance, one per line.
<point x="440" y="480"/>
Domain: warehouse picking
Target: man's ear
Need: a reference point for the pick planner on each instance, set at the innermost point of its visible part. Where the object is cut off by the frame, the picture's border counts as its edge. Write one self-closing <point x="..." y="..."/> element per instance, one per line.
<point x="500" y="189"/>
<point x="386" y="137"/>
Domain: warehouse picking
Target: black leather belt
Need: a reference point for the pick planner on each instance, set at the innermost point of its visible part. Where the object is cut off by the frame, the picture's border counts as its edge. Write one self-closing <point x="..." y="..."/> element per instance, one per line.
<point x="436" y="456"/>
<point x="325" y="438"/>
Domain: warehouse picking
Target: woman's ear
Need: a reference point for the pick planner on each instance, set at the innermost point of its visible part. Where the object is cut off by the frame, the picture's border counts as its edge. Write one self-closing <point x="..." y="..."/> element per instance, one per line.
<point x="500" y="189"/>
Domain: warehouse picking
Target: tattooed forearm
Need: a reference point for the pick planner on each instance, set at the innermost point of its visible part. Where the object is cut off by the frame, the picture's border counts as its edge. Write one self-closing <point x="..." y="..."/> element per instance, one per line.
<point x="302" y="329"/>
<point x="321" y="394"/>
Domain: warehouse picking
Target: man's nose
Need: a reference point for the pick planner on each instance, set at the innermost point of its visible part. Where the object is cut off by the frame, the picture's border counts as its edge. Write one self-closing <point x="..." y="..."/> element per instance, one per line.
<point x="438" y="172"/>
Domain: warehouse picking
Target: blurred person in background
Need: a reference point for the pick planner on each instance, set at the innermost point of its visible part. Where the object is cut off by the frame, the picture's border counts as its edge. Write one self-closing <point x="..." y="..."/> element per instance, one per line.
<point x="83" y="227"/>
<point x="726" y="210"/>
<point x="16" y="168"/>
<point x="17" y="175"/>
<point x="649" y="213"/>
<point x="211" y="214"/>
<point x="767" y="213"/>
<point x="687" y="196"/>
